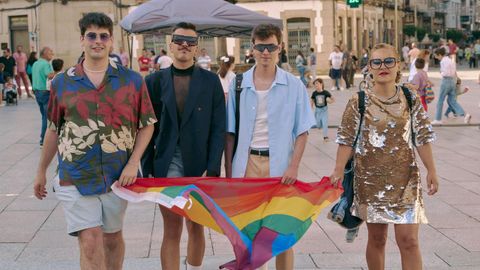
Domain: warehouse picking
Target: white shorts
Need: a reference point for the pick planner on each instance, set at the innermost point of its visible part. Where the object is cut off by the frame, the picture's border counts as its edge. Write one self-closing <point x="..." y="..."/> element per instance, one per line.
<point x="83" y="212"/>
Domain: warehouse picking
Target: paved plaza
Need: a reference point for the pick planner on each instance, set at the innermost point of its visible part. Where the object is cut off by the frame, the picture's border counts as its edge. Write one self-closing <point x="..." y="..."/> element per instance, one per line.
<point x="33" y="233"/>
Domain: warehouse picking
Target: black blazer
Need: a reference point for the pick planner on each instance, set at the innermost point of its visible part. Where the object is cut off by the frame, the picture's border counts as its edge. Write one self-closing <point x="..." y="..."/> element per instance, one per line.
<point x="201" y="134"/>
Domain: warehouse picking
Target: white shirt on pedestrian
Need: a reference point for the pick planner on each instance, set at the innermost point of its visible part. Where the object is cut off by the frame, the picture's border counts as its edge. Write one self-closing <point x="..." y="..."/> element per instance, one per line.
<point x="164" y="61"/>
<point x="336" y="59"/>
<point x="260" y="130"/>
<point x="229" y="77"/>
<point x="204" y="62"/>
<point x="447" y="67"/>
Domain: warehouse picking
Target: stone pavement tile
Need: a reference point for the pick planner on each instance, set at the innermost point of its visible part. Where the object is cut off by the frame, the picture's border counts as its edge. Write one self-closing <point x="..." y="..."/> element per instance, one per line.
<point x="52" y="239"/>
<point x="20" y="226"/>
<point x="32" y="204"/>
<point x="473" y="186"/>
<point x="5" y="200"/>
<point x="469" y="238"/>
<point x="137" y="248"/>
<point x="456" y="259"/>
<point x="42" y="254"/>
<point x="442" y="215"/>
<point x="56" y="221"/>
<point x="350" y="260"/>
<point x="432" y="240"/>
<point x="472" y="210"/>
<point x="456" y="194"/>
<point x="34" y="265"/>
<point x="15" y="153"/>
<point x="315" y="240"/>
<point x="10" y="251"/>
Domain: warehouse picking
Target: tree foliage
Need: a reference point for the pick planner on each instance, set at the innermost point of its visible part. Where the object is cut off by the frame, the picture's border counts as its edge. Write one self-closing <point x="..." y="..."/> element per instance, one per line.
<point x="455" y="35"/>
<point x="409" y="30"/>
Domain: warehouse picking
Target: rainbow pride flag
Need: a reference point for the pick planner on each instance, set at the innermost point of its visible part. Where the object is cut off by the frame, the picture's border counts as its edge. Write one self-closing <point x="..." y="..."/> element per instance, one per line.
<point x="260" y="216"/>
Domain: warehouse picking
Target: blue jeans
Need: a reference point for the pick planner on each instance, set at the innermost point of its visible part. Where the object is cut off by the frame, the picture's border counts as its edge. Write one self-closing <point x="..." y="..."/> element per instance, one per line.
<point x="301" y="70"/>
<point x="42" y="98"/>
<point x="447" y="90"/>
<point x="176" y="165"/>
<point x="321" y="115"/>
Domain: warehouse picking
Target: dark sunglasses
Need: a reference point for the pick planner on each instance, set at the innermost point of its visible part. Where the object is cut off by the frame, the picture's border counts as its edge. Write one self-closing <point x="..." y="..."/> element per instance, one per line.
<point x="389" y="62"/>
<point x="92" y="36"/>
<point x="180" y="40"/>
<point x="261" y="47"/>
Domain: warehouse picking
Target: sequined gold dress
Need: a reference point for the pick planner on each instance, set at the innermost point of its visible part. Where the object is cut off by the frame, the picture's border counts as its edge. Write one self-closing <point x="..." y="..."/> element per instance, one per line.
<point x="387" y="181"/>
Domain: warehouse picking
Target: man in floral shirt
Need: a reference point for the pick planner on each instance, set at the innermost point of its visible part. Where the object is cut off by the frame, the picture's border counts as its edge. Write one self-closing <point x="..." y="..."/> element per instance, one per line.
<point x="100" y="120"/>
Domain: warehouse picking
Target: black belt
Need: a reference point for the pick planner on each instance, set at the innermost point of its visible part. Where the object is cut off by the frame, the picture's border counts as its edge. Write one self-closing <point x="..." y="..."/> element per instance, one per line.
<point x="262" y="153"/>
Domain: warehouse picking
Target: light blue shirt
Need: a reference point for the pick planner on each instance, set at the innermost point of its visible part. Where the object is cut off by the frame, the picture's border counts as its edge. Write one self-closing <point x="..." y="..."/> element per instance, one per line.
<point x="289" y="115"/>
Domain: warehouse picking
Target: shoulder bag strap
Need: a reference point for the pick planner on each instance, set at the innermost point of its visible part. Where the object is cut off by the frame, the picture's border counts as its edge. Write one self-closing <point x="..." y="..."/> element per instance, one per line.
<point x="361" y="110"/>
<point x="238" y="91"/>
<point x="408" y="96"/>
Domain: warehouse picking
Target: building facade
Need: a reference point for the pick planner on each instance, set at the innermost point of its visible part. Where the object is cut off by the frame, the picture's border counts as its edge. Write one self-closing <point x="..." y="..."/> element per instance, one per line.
<point x="35" y="24"/>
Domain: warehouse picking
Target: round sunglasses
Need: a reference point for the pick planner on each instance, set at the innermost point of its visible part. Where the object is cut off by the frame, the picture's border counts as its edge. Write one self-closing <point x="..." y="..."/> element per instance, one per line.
<point x="92" y="36"/>
<point x="389" y="62"/>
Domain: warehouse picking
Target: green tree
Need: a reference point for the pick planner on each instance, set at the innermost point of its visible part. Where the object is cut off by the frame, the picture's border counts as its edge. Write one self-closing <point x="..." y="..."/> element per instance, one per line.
<point x="476" y="34"/>
<point x="455" y="35"/>
<point x="421" y="32"/>
<point x="434" y="37"/>
<point x="409" y="30"/>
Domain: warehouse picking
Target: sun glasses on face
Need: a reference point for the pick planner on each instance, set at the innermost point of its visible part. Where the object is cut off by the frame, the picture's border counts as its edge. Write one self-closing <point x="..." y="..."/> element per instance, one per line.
<point x="92" y="36"/>
<point x="180" y="40"/>
<point x="389" y="62"/>
<point x="261" y="47"/>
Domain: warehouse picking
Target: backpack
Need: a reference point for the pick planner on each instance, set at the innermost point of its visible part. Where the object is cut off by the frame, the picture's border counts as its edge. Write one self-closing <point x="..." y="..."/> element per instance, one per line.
<point x="238" y="91"/>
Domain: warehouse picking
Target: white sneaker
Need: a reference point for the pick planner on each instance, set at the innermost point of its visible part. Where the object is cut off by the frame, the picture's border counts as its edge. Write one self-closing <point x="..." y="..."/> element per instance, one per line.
<point x="333" y="88"/>
<point x="341" y="89"/>
<point x="467" y="118"/>
<point x="436" y="122"/>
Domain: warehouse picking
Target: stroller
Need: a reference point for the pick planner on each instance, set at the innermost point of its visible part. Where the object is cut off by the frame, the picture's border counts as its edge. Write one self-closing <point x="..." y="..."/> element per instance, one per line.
<point x="11" y="95"/>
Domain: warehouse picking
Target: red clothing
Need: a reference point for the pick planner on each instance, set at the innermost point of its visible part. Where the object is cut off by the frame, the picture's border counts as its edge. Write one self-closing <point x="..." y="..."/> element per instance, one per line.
<point x="145" y="61"/>
<point x="452" y="48"/>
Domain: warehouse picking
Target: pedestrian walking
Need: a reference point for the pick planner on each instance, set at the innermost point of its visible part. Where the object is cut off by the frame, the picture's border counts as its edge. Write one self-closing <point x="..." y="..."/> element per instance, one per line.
<point x="448" y="71"/>
<point x="406" y="58"/>
<point x="100" y="122"/>
<point x="312" y="63"/>
<point x="476" y="50"/>
<point x="284" y="60"/>
<point x="225" y="73"/>
<point x="336" y="63"/>
<point x="425" y="55"/>
<point x="42" y="71"/>
<point x="300" y="63"/>
<point x="204" y="60"/>
<point x="395" y="197"/>
<point x="189" y="139"/>
<point x="413" y="53"/>
<point x="347" y="68"/>
<point x="274" y="119"/>
<point x="319" y="102"/>
<point x="163" y="61"/>
<point x="32" y="58"/>
<point x="9" y="62"/>
<point x="57" y="66"/>
<point x="21" y="76"/>
<point x="144" y="63"/>
<point x="452" y="50"/>
<point x="420" y="81"/>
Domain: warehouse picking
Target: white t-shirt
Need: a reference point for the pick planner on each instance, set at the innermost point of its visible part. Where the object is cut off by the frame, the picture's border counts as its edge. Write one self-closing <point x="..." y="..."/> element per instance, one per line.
<point x="164" y="61"/>
<point x="204" y="61"/>
<point x="260" y="131"/>
<point x="336" y="58"/>
<point x="226" y="82"/>
<point x="447" y="67"/>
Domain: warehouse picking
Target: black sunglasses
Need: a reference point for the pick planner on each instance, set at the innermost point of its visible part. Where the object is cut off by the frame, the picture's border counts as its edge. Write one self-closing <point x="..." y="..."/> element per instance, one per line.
<point x="92" y="36"/>
<point x="389" y="62"/>
<point x="261" y="47"/>
<point x="180" y="40"/>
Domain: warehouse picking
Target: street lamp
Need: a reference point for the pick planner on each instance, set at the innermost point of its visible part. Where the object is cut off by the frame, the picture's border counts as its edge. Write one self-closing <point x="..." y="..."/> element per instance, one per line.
<point x="396" y="25"/>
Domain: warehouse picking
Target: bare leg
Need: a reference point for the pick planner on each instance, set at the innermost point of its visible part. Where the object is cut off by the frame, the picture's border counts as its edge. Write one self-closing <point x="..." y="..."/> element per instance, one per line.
<point x="172" y="233"/>
<point x="92" y="256"/>
<point x="407" y="241"/>
<point x="284" y="261"/>
<point x="196" y="243"/>
<point x="114" y="250"/>
<point x="377" y="239"/>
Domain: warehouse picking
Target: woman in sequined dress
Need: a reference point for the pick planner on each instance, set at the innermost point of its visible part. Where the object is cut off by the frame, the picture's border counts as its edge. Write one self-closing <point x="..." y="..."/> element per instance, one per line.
<point x="387" y="181"/>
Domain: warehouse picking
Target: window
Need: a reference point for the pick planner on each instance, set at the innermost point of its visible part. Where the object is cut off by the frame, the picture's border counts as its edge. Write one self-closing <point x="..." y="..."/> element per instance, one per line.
<point x="155" y="42"/>
<point x="298" y="38"/>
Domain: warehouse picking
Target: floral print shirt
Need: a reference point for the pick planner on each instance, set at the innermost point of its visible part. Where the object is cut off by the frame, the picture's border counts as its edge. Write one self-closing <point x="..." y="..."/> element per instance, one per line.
<point x="96" y="127"/>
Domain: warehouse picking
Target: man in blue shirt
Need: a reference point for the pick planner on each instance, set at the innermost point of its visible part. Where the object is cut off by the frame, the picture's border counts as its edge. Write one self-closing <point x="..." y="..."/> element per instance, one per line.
<point x="275" y="117"/>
